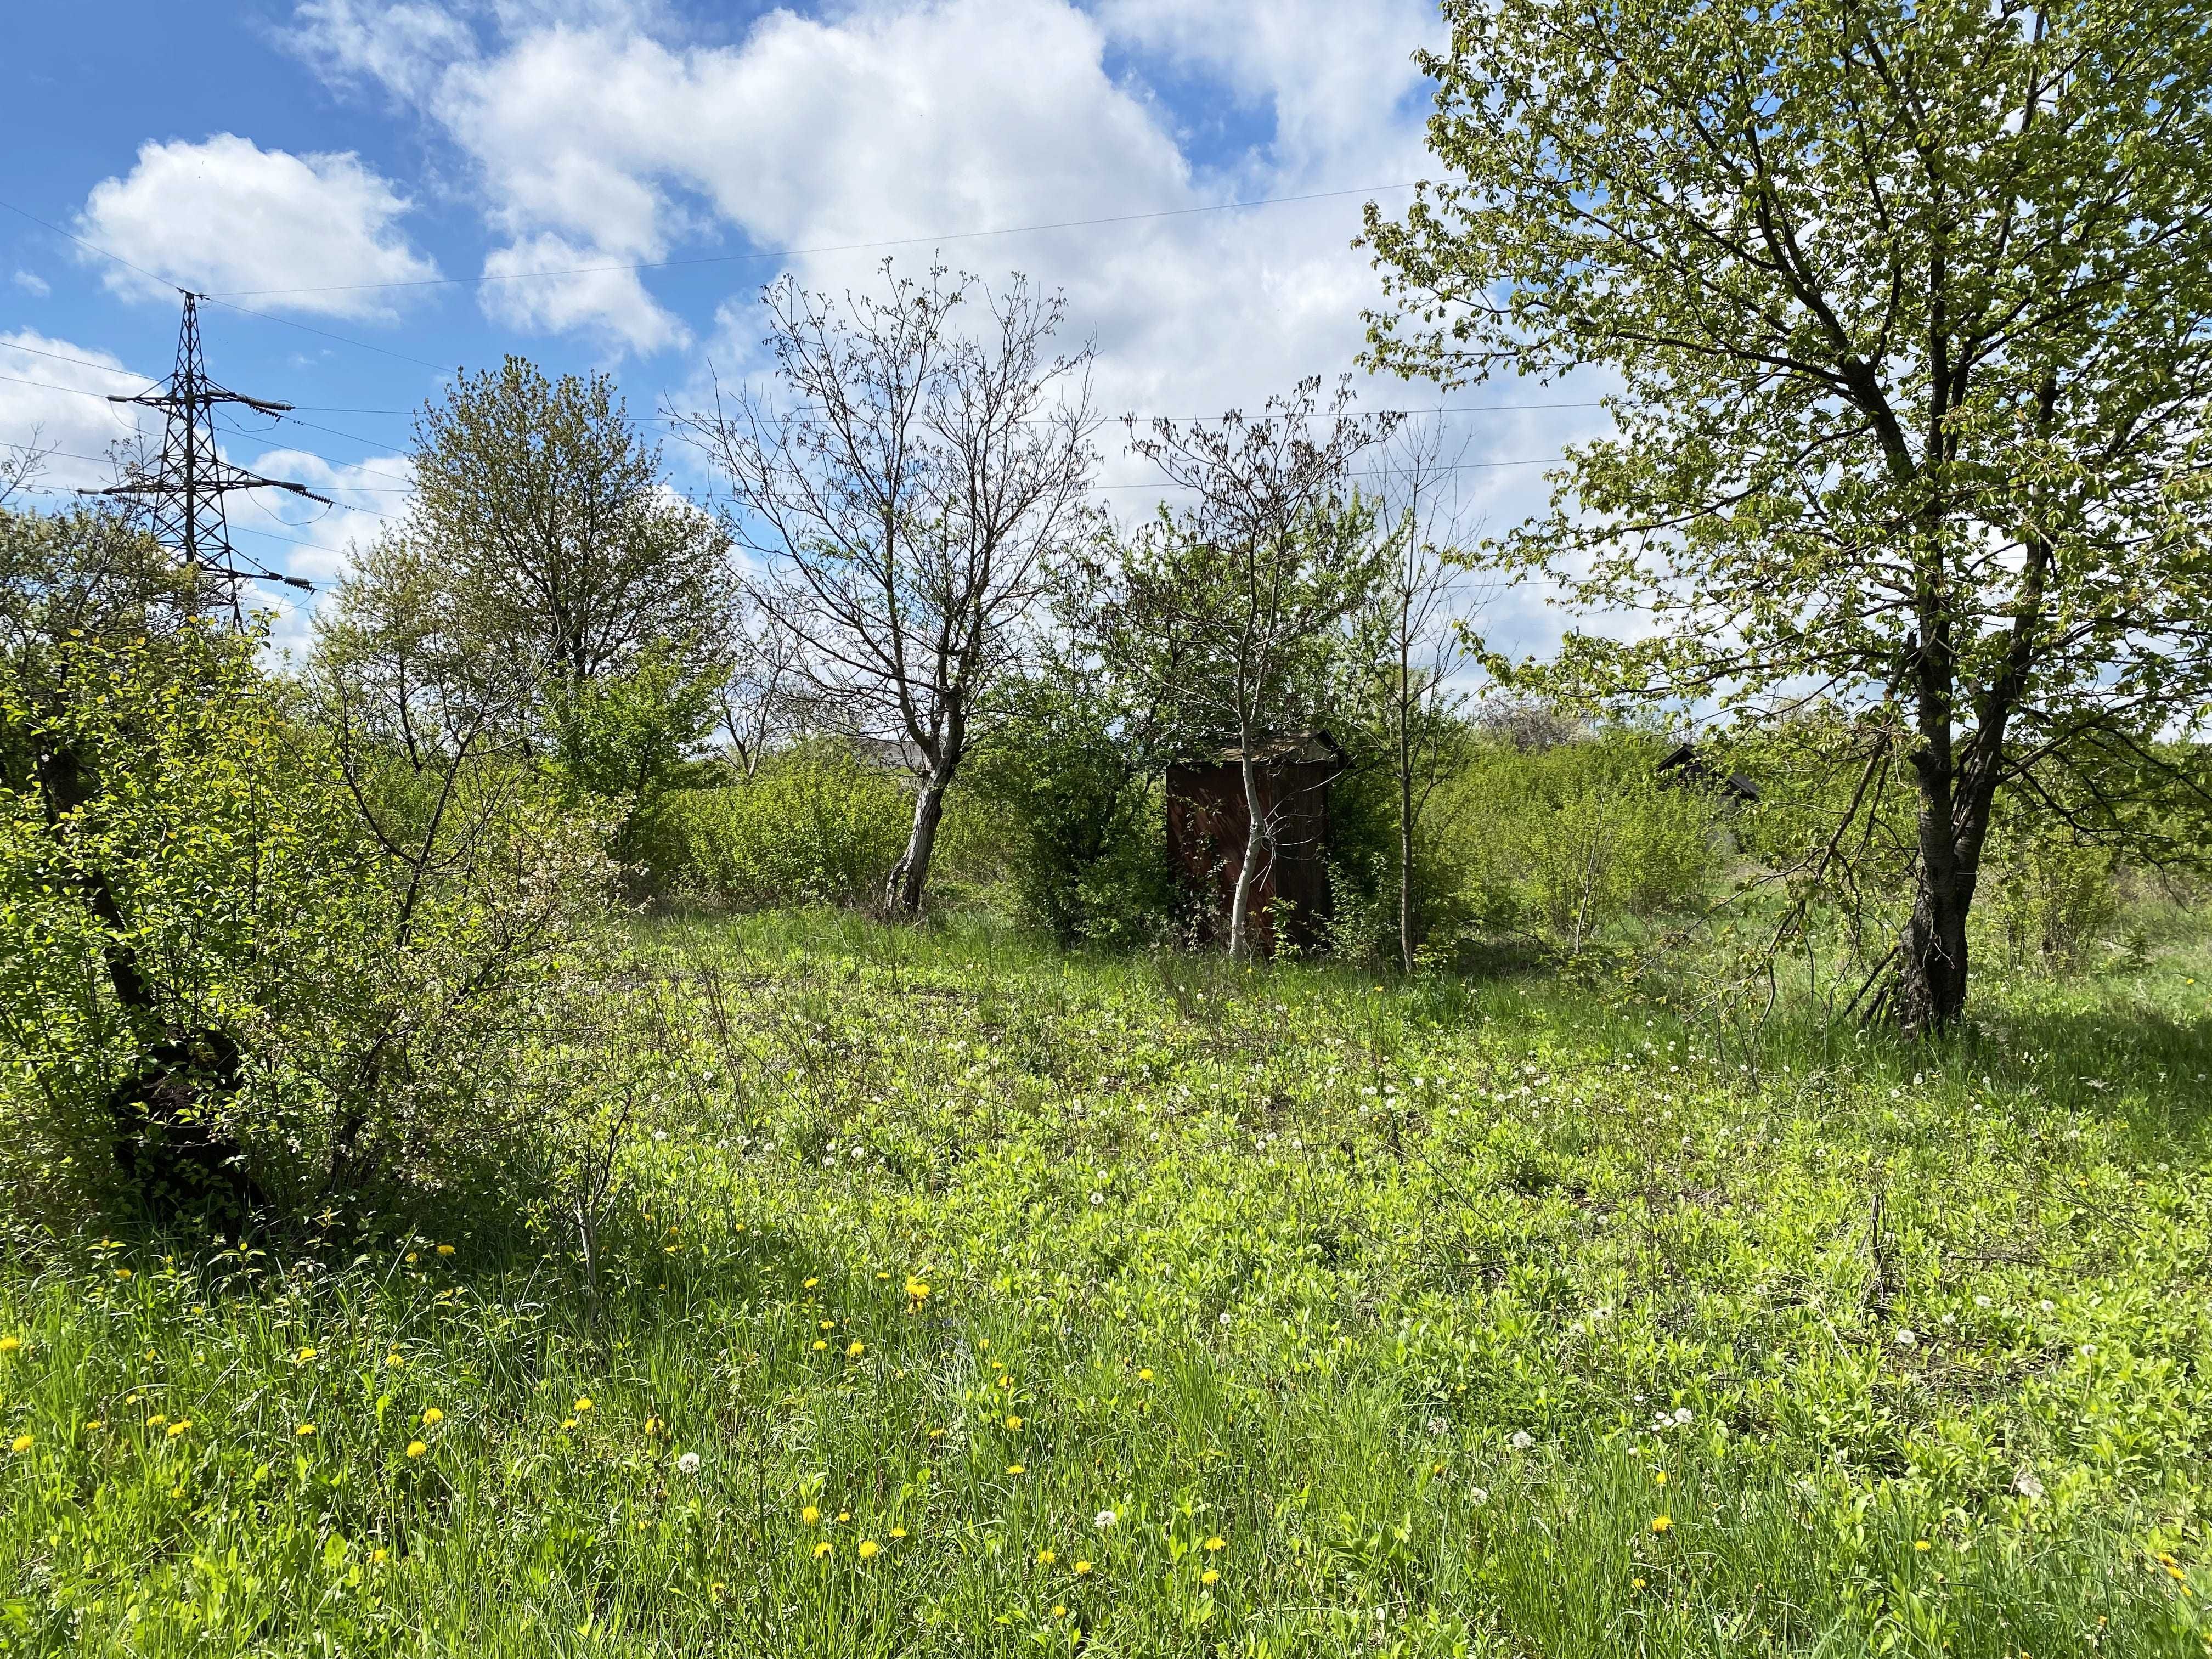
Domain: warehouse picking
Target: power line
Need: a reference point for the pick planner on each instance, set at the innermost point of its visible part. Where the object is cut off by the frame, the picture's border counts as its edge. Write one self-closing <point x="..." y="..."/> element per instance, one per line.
<point x="801" y="252"/>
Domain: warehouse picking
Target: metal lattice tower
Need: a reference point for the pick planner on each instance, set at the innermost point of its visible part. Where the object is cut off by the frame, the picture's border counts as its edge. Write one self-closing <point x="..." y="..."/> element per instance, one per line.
<point x="181" y="495"/>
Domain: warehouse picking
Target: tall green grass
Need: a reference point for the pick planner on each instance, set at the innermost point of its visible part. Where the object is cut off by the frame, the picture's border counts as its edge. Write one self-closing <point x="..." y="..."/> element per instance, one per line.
<point x="1407" y="1293"/>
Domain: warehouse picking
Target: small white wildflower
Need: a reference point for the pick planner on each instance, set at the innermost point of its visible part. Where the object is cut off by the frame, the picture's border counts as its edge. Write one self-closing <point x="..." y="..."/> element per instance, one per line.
<point x="1105" y="1519"/>
<point x="1225" y="1321"/>
<point x="1950" y="1319"/>
<point x="2047" y="1306"/>
<point x="660" y="1136"/>
<point x="2027" y="1486"/>
<point x="1981" y="1302"/>
<point x="1437" y="1425"/>
<point x="2088" y="1351"/>
<point x="1906" y="1339"/>
<point x="688" y="1464"/>
<point x="1523" y="1440"/>
<point x="1480" y="1495"/>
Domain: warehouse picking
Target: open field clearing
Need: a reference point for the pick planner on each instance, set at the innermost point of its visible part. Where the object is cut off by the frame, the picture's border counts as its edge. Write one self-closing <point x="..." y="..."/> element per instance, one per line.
<point x="955" y="1297"/>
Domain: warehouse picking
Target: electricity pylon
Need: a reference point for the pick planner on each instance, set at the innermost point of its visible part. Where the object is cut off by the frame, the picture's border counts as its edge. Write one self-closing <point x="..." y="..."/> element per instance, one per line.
<point x="182" y="493"/>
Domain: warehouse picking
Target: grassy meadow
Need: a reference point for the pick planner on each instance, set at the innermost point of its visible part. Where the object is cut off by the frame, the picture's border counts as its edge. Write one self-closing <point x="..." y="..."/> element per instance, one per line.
<point x="958" y="1296"/>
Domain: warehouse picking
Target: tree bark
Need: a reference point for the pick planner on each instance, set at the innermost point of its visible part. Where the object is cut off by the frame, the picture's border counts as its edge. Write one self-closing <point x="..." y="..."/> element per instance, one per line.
<point x="902" y="893"/>
<point x="1255" y="840"/>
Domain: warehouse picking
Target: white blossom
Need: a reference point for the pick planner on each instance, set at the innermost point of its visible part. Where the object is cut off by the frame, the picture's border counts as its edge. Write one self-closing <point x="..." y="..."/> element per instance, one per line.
<point x="688" y="1464"/>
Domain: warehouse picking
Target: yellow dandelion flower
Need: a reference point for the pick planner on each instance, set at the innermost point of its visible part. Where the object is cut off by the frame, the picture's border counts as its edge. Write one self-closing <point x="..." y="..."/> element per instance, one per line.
<point x="868" y="1548"/>
<point x="10" y="1344"/>
<point x="716" y="1589"/>
<point x="303" y="1356"/>
<point x="854" y="1350"/>
<point x="1013" y="1422"/>
<point x="95" y="1423"/>
<point x="653" y="1425"/>
<point x="123" y="1273"/>
<point x="416" y="1448"/>
<point x="583" y="1402"/>
<point x="820" y="1345"/>
<point x="1081" y="1568"/>
<point x="1016" y="1468"/>
<point x="445" y="1249"/>
<point x="179" y="1426"/>
<point x="304" y="1429"/>
<point x="567" y="1422"/>
<point x="1046" y="1557"/>
<point x="1209" y="1576"/>
<point x="1660" y="1478"/>
<point x="1662" y="1522"/>
<point x="809" y="1515"/>
<point x="394" y="1361"/>
<point x="1636" y="1584"/>
<point x="1059" y="1613"/>
<point x="898" y="1532"/>
<point x="828" y="1324"/>
<point x="883" y="1275"/>
<point x="917" y="1291"/>
<point x="432" y="1417"/>
<point x="1144" y="1373"/>
<point x="155" y="1420"/>
<point x="23" y="1443"/>
<point x="812" y="1283"/>
<point x="844" y="1515"/>
<point x="413" y="1256"/>
<point x="1216" y="1544"/>
<point x="378" y="1557"/>
<point x="822" y="1549"/>
<point x="1922" y="1545"/>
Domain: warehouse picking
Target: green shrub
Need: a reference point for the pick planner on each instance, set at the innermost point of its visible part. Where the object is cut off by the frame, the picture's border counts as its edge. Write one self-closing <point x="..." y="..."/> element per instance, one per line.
<point x="815" y="825"/>
<point x="1078" y="806"/>
<point x="2049" y="900"/>
<point x="1559" y="846"/>
<point x="233" y="973"/>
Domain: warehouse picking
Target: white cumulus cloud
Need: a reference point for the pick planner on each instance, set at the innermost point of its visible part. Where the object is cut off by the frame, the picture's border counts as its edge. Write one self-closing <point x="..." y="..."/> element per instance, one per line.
<point x="225" y="215"/>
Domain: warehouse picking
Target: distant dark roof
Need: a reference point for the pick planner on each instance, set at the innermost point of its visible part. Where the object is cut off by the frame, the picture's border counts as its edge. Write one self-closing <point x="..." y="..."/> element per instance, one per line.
<point x="1299" y="749"/>
<point x="1686" y="765"/>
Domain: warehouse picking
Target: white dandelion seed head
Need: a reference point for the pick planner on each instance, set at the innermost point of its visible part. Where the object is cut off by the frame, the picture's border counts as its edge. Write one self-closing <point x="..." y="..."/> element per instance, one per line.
<point x="660" y="1136"/>
<point x="1105" y="1519"/>
<point x="2047" y="1306"/>
<point x="1225" y="1321"/>
<point x="1906" y="1338"/>
<point x="1097" y="1198"/>
<point x="1682" y="1417"/>
<point x="2027" y="1486"/>
<point x="1981" y="1302"/>
<point x="1521" y="1440"/>
<point x="1479" y="1495"/>
<point x="688" y="1464"/>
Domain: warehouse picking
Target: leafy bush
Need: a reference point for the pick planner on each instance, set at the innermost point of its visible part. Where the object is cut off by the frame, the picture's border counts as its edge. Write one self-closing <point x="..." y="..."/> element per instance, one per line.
<point x="228" y="972"/>
<point x="2048" y="899"/>
<point x="815" y="825"/>
<point x="1077" y="806"/>
<point x="1560" y="845"/>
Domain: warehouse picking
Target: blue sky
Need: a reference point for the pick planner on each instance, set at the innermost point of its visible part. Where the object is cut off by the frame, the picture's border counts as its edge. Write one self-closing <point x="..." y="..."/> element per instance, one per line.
<point x="354" y="170"/>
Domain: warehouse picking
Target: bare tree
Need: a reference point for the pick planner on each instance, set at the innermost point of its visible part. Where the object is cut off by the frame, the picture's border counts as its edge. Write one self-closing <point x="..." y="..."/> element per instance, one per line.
<point x="908" y="504"/>
<point x="20" y="465"/>
<point x="1412" y="638"/>
<point x="1226" y="605"/>
<point x="765" y="700"/>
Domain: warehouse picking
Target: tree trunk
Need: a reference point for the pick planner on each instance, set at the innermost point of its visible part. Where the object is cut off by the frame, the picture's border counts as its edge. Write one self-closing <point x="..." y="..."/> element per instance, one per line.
<point x="1255" y="840"/>
<point x="1932" y="975"/>
<point x="902" y="893"/>
<point x="1405" y="871"/>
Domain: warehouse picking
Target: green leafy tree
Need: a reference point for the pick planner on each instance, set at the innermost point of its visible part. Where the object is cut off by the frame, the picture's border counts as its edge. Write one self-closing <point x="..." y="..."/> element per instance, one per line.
<point x="1227" y="613"/>
<point x="1909" y="307"/>
<point x="543" y="515"/>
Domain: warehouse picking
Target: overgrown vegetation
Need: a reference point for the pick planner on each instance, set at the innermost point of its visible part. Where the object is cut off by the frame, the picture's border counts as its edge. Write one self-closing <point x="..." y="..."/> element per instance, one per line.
<point x="957" y="1296"/>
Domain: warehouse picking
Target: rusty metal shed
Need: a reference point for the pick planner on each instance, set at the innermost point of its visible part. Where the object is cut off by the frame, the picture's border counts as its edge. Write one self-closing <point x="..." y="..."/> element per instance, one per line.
<point x="1208" y="824"/>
